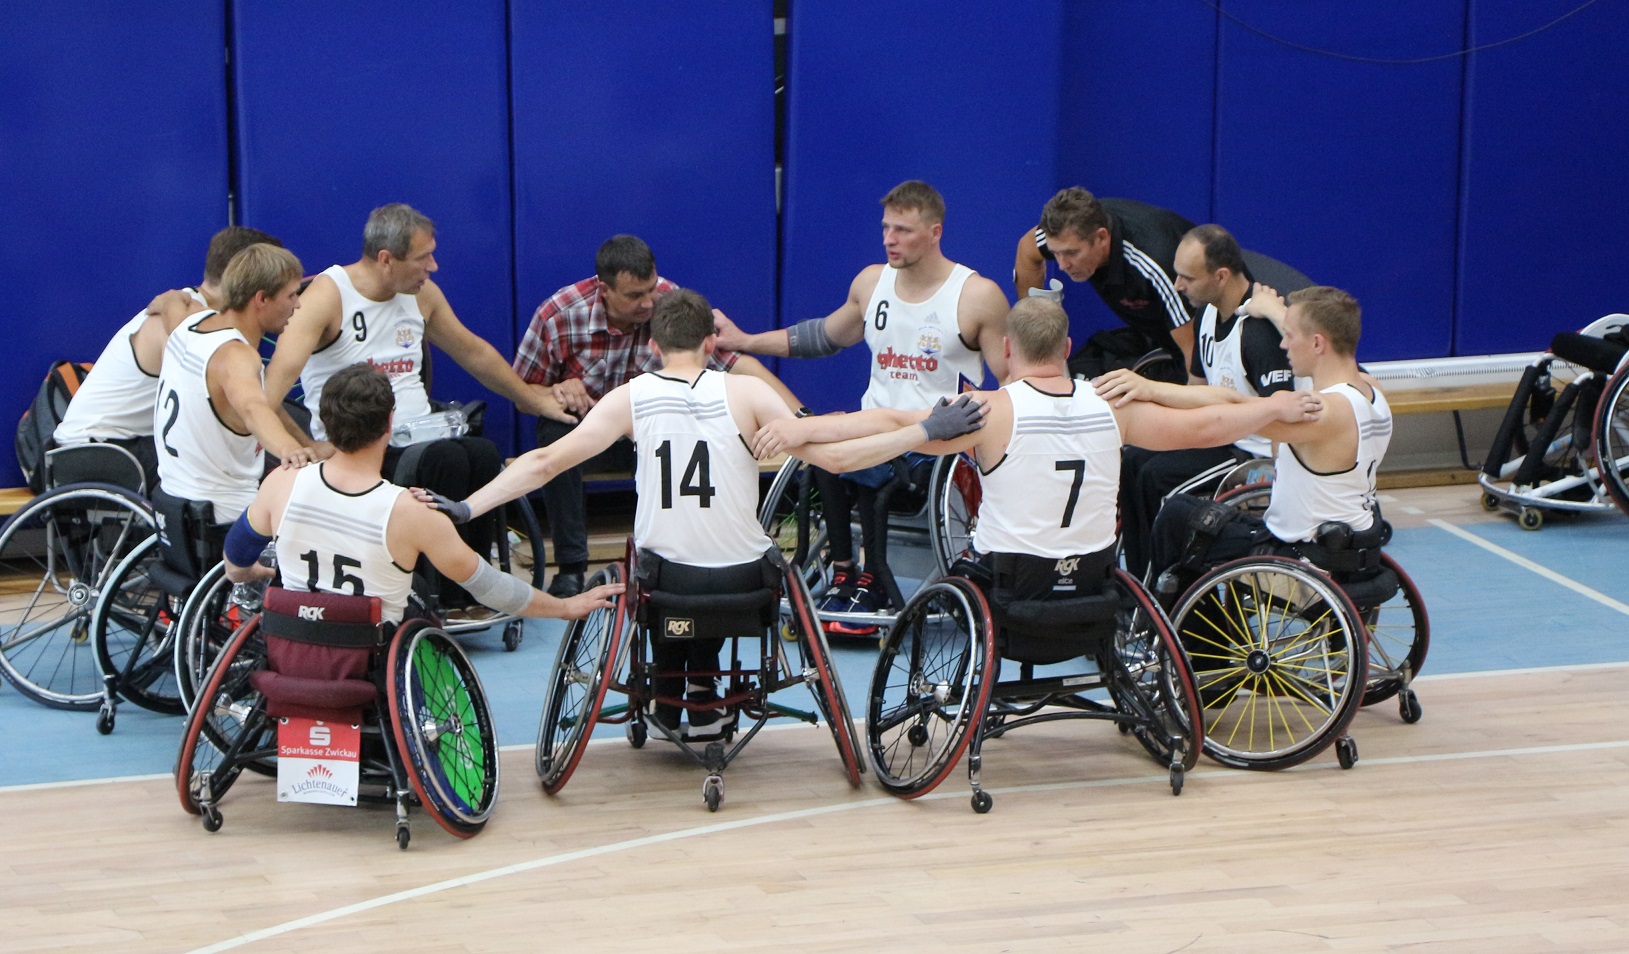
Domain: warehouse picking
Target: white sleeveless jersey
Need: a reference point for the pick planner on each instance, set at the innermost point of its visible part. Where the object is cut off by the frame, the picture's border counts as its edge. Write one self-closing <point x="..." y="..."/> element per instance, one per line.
<point x="200" y="458"/>
<point x="1053" y="494"/>
<point x="917" y="354"/>
<point x="115" y="401"/>
<point x="330" y="541"/>
<point x="1223" y="362"/>
<point x="697" y="483"/>
<point x="386" y="334"/>
<point x="1302" y="499"/>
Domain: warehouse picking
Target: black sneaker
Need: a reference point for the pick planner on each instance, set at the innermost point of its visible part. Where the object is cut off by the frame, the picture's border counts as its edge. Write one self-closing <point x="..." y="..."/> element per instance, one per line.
<point x="839" y="596"/>
<point x="566" y="585"/>
<point x="708" y="723"/>
<point x="664" y="714"/>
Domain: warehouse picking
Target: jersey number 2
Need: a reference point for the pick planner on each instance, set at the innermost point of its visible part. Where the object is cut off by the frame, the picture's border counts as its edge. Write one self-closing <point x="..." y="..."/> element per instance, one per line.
<point x="697" y="481"/>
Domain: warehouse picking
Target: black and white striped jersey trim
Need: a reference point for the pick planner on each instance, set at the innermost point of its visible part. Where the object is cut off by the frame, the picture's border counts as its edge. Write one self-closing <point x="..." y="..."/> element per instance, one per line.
<point x="1151" y="270"/>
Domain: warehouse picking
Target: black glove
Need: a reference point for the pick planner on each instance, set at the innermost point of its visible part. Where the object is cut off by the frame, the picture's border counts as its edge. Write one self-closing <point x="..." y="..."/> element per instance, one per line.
<point x="948" y="421"/>
<point x="456" y="509"/>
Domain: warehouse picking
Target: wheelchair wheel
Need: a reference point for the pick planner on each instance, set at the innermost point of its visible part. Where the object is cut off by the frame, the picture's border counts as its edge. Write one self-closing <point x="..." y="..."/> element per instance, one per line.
<point x="1150" y="679"/>
<point x="1248" y="498"/>
<point x="581" y="676"/>
<point x="1611" y="438"/>
<point x="134" y="626"/>
<point x="443" y="728"/>
<point x="1277" y="661"/>
<point x="209" y="617"/>
<point x="228" y="729"/>
<point x="818" y="667"/>
<point x="955" y="493"/>
<point x="931" y="686"/>
<point x="792" y="515"/>
<point x="61" y="549"/>
<point x="1399" y="637"/>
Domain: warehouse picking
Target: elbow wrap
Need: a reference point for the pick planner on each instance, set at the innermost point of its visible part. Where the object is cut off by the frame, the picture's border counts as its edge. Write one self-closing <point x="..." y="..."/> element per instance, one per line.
<point x="492" y="587"/>
<point x="808" y="339"/>
<point x="243" y="543"/>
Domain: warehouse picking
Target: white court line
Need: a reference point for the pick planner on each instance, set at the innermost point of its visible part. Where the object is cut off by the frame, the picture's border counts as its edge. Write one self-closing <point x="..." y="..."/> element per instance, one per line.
<point x="1527" y="564"/>
<point x="700" y="830"/>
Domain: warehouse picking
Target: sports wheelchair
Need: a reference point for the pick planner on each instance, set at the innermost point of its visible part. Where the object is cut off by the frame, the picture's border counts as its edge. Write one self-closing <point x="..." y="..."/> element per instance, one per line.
<point x="946" y="500"/>
<point x="958" y="668"/>
<point x="310" y="665"/>
<point x="62" y="549"/>
<point x="1566" y="451"/>
<point x="635" y="649"/>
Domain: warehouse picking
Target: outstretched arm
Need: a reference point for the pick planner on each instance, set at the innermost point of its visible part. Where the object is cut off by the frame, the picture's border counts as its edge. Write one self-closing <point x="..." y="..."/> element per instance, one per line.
<point x="1155" y="427"/>
<point x="812" y="338"/>
<point x="610" y="419"/>
<point x="475" y="355"/>
<point x="1122" y="386"/>
<point x="235" y="369"/>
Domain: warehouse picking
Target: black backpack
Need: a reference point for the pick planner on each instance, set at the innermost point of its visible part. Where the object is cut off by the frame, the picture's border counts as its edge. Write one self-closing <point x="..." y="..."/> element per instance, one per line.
<point x="42" y="417"/>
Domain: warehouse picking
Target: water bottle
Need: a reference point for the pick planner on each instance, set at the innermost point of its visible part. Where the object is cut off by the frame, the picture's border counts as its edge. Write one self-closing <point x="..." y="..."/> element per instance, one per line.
<point x="430" y="427"/>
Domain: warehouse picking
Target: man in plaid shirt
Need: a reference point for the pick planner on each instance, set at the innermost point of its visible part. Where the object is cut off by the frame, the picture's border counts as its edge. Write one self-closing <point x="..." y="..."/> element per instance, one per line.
<point x="584" y="341"/>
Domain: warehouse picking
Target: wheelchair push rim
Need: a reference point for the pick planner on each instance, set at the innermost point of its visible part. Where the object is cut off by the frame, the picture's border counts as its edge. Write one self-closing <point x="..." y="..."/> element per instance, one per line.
<point x="577" y="692"/>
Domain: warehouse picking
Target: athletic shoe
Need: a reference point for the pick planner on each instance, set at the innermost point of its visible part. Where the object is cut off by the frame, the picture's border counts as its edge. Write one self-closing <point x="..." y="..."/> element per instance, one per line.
<point x="867" y="598"/>
<point x="664" y="714"/>
<point x="566" y="585"/>
<point x="704" y="724"/>
<point x="839" y="596"/>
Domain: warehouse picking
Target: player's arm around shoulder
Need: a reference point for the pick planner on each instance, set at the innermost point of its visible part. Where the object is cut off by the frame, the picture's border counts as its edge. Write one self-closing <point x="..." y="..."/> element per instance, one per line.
<point x="982" y="314"/>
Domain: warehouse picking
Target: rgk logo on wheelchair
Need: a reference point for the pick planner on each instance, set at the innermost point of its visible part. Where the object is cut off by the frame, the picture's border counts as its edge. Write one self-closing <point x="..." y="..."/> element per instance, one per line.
<point x="679" y="628"/>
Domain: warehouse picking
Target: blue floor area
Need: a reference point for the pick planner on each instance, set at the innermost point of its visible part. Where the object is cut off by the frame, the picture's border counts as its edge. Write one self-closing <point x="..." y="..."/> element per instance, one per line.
<point x="1487" y="613"/>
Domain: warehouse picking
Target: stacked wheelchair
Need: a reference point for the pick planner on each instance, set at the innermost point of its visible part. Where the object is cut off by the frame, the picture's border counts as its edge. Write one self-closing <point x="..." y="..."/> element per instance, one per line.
<point x="312" y="665"/>
<point x="773" y="642"/>
<point x="957" y="669"/>
<point x="1565" y="451"/>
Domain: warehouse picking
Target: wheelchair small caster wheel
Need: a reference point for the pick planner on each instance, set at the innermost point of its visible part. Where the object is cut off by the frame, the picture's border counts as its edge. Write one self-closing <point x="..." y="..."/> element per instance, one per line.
<point x="636" y="734"/>
<point x="712" y="792"/>
<point x="403" y="836"/>
<point x="1124" y="727"/>
<point x="917" y="735"/>
<point x="513" y="633"/>
<point x="1346" y="751"/>
<point x="1490" y="503"/>
<point x="1408" y="706"/>
<point x="1177" y="778"/>
<point x="104" y="721"/>
<point x="982" y="802"/>
<point x="1531" y="518"/>
<point x="212" y="818"/>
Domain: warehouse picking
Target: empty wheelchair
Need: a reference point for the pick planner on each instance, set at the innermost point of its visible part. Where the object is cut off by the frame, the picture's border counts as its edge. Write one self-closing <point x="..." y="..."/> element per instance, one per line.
<point x="61" y="550"/>
<point x="640" y="649"/>
<point x="1057" y="639"/>
<point x="1383" y="593"/>
<point x="938" y="499"/>
<point x="1565" y="451"/>
<point x="342" y="707"/>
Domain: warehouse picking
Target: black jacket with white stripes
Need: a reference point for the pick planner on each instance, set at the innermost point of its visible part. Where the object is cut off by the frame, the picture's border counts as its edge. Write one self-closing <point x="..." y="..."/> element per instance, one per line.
<point x="1137" y="281"/>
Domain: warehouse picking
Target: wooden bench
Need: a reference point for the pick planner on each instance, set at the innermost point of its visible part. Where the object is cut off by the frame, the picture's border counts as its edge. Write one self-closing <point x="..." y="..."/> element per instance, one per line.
<point x="13" y="499"/>
<point x="1460" y="397"/>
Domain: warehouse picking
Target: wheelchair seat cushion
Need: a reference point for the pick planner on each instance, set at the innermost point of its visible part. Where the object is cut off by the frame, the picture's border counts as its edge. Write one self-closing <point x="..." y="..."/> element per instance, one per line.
<point x="316" y="682"/>
<point x="1369" y="590"/>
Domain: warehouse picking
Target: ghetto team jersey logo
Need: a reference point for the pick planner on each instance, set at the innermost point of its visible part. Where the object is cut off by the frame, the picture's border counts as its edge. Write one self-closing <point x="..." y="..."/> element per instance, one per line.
<point x="923" y="359"/>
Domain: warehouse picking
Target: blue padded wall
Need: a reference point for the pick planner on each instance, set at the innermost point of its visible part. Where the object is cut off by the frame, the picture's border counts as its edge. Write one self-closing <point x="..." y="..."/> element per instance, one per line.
<point x="881" y="93"/>
<point x="1348" y="170"/>
<point x="342" y="109"/>
<point x="655" y="119"/>
<point x="1136" y="115"/>
<point x="1545" y="204"/>
<point x="112" y="174"/>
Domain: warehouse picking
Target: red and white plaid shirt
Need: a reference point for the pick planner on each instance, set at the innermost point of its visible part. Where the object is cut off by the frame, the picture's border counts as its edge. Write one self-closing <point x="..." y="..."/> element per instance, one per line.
<point x="570" y="338"/>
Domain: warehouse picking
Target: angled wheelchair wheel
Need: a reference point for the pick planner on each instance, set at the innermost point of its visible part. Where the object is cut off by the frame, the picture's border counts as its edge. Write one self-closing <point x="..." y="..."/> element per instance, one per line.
<point x="954" y="494"/>
<point x="228" y="729"/>
<point x="211" y="614"/>
<point x="931" y="685"/>
<point x="1248" y="498"/>
<point x="60" y="552"/>
<point x="134" y="626"/>
<point x="1611" y="438"/>
<point x="821" y="675"/>
<point x="443" y="727"/>
<point x="792" y="515"/>
<point x="1279" y="660"/>
<point x="1150" y="679"/>
<point x="581" y="677"/>
<point x="1399" y="638"/>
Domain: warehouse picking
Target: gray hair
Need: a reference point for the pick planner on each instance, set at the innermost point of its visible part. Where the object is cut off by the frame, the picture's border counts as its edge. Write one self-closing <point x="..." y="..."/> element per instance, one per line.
<point x="391" y="229"/>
